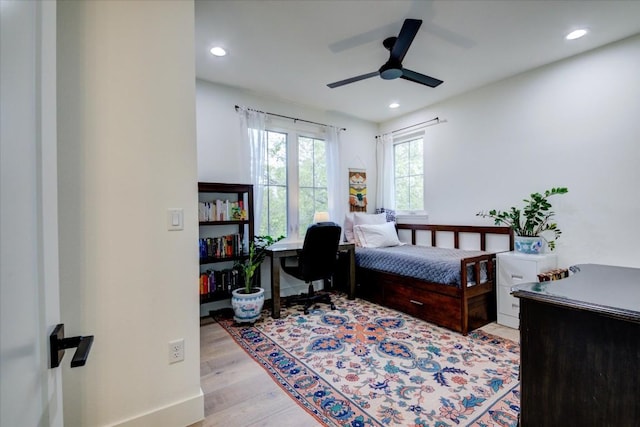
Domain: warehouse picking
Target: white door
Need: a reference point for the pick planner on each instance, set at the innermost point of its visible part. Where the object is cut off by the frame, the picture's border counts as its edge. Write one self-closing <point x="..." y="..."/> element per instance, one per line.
<point x="30" y="392"/>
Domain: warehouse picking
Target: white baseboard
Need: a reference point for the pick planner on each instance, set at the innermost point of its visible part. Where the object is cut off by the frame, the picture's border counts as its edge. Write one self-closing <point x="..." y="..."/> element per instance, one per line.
<point x="178" y="414"/>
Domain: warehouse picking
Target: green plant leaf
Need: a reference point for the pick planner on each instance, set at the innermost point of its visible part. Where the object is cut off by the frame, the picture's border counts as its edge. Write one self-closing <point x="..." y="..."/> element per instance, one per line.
<point x="533" y="219"/>
<point x="257" y="254"/>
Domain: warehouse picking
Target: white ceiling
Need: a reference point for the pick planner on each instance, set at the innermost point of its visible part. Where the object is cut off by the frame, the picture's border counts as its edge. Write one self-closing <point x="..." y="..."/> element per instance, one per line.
<point x="291" y="49"/>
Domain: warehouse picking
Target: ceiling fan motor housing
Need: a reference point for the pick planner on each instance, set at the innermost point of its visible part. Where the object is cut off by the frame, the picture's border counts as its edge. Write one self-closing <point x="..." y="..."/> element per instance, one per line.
<point x="392" y="69"/>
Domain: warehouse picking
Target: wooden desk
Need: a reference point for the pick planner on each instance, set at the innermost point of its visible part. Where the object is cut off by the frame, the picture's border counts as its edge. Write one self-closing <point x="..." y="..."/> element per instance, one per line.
<point x="580" y="349"/>
<point x="283" y="250"/>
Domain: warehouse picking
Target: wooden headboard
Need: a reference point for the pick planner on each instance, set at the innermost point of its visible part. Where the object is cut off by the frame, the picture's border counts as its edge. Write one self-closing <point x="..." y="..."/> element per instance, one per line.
<point x="483" y="231"/>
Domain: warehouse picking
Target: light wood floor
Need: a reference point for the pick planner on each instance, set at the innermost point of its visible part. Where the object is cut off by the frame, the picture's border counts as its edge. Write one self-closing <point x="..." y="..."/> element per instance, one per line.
<point x="239" y="393"/>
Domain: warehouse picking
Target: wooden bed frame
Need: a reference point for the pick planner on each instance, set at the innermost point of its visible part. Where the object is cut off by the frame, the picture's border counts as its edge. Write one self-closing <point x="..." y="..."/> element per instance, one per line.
<point x="461" y="309"/>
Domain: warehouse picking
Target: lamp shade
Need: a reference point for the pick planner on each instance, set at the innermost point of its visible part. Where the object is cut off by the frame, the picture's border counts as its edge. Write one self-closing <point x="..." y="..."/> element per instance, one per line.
<point x="321" y="217"/>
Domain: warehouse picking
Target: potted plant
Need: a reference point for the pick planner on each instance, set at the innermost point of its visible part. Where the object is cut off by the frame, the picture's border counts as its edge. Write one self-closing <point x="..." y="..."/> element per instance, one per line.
<point x="531" y="222"/>
<point x="247" y="301"/>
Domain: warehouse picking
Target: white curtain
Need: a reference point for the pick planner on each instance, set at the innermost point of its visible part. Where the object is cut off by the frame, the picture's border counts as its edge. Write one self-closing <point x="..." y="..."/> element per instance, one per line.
<point x="334" y="181"/>
<point x="384" y="172"/>
<point x="254" y="147"/>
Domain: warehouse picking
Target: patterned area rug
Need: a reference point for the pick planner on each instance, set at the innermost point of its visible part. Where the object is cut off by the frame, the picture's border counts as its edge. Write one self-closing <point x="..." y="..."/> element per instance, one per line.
<point x="366" y="365"/>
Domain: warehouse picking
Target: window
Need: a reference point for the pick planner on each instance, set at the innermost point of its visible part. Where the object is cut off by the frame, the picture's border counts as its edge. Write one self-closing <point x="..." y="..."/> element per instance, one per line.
<point x="274" y="206"/>
<point x="408" y="174"/>
<point x="295" y="183"/>
<point x="312" y="181"/>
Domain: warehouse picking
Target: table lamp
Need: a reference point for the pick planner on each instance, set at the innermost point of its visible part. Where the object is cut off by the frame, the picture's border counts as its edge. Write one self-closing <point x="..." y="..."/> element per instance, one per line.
<point x="321" y="217"/>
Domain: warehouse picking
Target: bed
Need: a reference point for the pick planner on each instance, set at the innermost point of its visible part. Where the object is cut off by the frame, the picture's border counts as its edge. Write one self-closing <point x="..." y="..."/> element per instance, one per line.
<point x="395" y="277"/>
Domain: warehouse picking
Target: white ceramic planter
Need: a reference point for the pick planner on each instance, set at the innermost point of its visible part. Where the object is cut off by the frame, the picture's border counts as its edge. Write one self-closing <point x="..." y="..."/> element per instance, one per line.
<point x="247" y="307"/>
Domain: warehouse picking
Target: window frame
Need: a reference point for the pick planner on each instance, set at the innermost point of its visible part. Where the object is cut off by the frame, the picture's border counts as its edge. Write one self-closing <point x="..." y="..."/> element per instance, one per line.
<point x="266" y="186"/>
<point x="406" y="139"/>
<point x="292" y="134"/>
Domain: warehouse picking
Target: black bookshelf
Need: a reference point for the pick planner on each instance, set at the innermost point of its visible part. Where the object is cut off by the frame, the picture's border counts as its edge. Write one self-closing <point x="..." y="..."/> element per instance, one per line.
<point x="215" y="262"/>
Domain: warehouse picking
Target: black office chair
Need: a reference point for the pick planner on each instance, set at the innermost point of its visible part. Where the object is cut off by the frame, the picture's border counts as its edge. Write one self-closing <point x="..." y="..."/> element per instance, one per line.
<point x="315" y="261"/>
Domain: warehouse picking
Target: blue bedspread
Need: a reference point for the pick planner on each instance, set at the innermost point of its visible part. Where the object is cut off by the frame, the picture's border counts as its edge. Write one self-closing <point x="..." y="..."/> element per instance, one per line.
<point x="438" y="265"/>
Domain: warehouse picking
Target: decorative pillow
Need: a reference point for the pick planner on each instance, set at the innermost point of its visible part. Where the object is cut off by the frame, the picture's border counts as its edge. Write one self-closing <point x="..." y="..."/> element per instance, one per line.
<point x="376" y="235"/>
<point x="391" y="214"/>
<point x="348" y="228"/>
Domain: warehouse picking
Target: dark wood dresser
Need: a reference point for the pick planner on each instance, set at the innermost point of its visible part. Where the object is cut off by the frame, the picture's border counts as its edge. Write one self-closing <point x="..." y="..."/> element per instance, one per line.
<point x="580" y="349"/>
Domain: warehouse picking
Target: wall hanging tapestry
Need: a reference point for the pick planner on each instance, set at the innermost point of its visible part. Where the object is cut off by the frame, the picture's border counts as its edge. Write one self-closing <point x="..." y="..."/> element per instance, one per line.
<point x="357" y="190"/>
<point x="366" y="365"/>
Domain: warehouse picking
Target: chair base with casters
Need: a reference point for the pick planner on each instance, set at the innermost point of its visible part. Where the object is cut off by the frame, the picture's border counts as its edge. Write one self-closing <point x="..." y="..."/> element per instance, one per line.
<point x="315" y="261"/>
<point x="309" y="299"/>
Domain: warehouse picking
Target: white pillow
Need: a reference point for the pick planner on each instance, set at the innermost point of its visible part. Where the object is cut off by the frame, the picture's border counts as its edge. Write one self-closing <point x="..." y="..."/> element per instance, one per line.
<point x="376" y="235"/>
<point x="352" y="219"/>
<point x="360" y="218"/>
<point x="348" y="228"/>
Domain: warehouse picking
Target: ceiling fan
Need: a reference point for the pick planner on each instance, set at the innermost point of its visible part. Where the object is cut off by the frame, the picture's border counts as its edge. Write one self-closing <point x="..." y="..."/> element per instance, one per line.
<point x="392" y="69"/>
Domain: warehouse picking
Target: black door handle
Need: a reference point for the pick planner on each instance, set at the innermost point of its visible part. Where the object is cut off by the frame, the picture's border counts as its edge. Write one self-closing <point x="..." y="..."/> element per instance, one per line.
<point x="58" y="343"/>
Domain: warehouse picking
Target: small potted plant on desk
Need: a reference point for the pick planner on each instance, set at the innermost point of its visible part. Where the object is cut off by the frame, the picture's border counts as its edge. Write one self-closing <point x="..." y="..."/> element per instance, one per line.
<point x="247" y="302"/>
<point x="531" y="222"/>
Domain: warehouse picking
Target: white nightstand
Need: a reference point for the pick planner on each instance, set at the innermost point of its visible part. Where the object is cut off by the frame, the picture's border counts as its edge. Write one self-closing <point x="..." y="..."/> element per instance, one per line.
<point x="515" y="268"/>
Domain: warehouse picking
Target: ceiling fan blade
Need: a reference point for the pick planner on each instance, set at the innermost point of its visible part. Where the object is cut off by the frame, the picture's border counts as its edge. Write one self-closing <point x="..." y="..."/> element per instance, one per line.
<point x="364" y="38"/>
<point x="405" y="38"/>
<point x="412" y="76"/>
<point x="353" y="79"/>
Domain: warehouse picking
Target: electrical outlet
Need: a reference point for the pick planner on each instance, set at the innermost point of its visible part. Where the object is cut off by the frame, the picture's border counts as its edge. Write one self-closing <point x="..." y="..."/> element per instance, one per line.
<point x="176" y="351"/>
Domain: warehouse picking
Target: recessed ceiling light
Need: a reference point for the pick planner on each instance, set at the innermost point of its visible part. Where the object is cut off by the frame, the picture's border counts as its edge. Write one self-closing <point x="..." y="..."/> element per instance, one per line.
<point x="394" y="105"/>
<point x="576" y="34"/>
<point x="218" y="51"/>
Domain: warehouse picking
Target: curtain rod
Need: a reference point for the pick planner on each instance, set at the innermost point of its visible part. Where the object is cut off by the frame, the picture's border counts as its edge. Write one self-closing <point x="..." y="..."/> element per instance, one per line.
<point x="287" y="117"/>
<point x="435" y="119"/>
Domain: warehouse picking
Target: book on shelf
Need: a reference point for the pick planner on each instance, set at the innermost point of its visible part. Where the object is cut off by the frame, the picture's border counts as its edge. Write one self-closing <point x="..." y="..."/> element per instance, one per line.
<point x="218" y="214"/>
<point x="202" y="211"/>
<point x="219" y="283"/>
<point x="221" y="210"/>
<point x="231" y="245"/>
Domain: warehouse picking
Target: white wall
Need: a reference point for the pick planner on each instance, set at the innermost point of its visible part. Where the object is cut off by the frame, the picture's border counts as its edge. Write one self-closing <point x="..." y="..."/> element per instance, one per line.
<point x="219" y="139"/>
<point x="127" y="153"/>
<point x="572" y="124"/>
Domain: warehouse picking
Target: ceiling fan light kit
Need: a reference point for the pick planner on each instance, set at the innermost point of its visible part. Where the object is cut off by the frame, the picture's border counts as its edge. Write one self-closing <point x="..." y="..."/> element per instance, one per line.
<point x="392" y="69"/>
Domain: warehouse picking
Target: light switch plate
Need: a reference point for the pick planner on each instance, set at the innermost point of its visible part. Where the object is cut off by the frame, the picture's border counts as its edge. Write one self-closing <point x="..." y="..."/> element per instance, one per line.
<point x="175" y="219"/>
